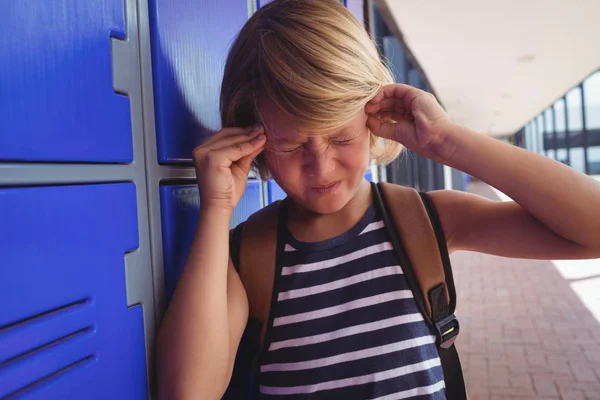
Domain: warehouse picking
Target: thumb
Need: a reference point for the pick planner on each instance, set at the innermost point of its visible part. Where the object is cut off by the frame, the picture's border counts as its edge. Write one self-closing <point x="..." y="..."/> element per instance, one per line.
<point x="246" y="161"/>
<point x="383" y="129"/>
<point x="390" y="130"/>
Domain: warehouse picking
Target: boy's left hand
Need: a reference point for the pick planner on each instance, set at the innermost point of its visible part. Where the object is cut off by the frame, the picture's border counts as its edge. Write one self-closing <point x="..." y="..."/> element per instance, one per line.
<point x="420" y="122"/>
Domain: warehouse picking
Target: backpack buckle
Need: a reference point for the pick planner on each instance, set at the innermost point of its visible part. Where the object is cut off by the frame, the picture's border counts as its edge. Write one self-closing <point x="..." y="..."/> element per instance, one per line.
<point x="446" y="331"/>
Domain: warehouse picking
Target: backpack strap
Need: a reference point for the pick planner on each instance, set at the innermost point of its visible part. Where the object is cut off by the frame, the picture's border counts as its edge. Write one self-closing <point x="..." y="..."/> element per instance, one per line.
<point x="410" y="224"/>
<point x="418" y="239"/>
<point x="257" y="261"/>
<point x="256" y="265"/>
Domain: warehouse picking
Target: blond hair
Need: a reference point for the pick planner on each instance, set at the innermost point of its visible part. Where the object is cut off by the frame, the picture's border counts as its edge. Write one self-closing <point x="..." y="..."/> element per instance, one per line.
<point x="314" y="60"/>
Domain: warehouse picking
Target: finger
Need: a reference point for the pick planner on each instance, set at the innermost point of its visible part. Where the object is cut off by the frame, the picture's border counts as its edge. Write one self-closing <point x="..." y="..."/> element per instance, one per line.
<point x="381" y="128"/>
<point x="389" y="130"/>
<point x="393" y="104"/>
<point x="404" y="93"/>
<point x="393" y="116"/>
<point x="246" y="161"/>
<point x="398" y="90"/>
<point x="235" y="152"/>
<point x="234" y="139"/>
<point x="392" y="90"/>
<point x="231" y="132"/>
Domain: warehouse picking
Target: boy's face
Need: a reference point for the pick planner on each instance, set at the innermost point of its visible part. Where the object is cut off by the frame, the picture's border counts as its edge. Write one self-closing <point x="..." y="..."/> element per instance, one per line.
<point x="320" y="171"/>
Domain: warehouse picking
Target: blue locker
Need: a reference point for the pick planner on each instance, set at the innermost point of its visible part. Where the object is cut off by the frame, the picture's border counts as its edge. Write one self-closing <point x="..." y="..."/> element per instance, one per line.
<point x="397" y="58"/>
<point x="65" y="329"/>
<point x="190" y="40"/>
<point x="357" y="8"/>
<point x="275" y="191"/>
<point x="57" y="101"/>
<point x="179" y="208"/>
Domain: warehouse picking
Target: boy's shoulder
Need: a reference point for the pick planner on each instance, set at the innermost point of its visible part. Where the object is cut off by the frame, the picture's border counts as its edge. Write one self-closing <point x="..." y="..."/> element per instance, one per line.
<point x="264" y="219"/>
<point x="235" y="240"/>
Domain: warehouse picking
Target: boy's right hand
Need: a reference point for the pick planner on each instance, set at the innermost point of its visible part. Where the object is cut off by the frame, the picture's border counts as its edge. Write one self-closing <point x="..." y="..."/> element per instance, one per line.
<point x="222" y="165"/>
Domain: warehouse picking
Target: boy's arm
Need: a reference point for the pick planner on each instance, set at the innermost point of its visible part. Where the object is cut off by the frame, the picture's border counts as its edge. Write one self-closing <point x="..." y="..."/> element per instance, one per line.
<point x="506" y="229"/>
<point x="203" y="326"/>
<point x="554" y="215"/>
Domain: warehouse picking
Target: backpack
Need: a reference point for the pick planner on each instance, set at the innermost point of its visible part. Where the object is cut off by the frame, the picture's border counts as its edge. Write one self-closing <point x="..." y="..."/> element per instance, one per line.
<point x="417" y="238"/>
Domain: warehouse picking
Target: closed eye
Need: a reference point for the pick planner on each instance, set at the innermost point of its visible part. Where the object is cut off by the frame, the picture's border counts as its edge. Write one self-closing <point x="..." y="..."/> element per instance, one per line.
<point x="291" y="150"/>
<point x="286" y="149"/>
<point x="341" y="141"/>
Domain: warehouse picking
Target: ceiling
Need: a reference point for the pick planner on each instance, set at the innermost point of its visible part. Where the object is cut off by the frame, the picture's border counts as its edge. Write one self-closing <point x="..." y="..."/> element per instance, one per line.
<point x="494" y="64"/>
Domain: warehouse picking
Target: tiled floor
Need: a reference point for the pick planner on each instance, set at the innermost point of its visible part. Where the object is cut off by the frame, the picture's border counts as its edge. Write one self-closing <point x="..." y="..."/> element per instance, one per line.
<point x="527" y="330"/>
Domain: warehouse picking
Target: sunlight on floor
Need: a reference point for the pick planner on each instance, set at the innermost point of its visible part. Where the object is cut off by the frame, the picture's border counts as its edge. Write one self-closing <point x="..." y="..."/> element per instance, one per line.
<point x="583" y="275"/>
<point x="586" y="277"/>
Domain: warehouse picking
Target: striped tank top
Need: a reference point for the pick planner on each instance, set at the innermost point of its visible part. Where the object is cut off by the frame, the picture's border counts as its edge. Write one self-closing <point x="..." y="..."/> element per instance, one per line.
<point x="344" y="323"/>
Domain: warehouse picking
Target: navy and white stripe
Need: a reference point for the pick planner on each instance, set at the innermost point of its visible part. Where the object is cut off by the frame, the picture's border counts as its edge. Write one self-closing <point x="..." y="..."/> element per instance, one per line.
<point x="345" y="324"/>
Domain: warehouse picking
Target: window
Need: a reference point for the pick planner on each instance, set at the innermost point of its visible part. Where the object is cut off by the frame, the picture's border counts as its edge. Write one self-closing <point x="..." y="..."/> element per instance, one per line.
<point x="539" y="124"/>
<point x="574" y="110"/>
<point x="591" y="93"/>
<point x="559" y="114"/>
<point x="575" y="125"/>
<point x="549" y="129"/>
<point x="549" y="121"/>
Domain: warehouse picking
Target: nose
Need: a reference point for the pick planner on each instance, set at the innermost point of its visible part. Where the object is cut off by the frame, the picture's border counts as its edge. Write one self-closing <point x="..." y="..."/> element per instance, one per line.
<point x="319" y="158"/>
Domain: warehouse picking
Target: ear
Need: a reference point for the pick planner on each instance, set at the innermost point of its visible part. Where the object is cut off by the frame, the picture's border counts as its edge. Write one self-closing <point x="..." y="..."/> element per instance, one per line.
<point x="259" y="165"/>
<point x="372" y="146"/>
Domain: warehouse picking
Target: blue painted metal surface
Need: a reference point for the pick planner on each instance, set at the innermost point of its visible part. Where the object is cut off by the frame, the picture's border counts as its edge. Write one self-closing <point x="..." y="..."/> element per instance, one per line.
<point x="65" y="330"/>
<point x="57" y="101"/>
<point x="190" y="41"/>
<point x="275" y="191"/>
<point x="180" y="209"/>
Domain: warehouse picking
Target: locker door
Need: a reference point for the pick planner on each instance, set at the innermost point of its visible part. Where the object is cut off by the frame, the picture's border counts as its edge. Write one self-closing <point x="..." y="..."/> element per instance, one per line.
<point x="75" y="262"/>
<point x="190" y="40"/>
<point x="65" y="329"/>
<point x="57" y="101"/>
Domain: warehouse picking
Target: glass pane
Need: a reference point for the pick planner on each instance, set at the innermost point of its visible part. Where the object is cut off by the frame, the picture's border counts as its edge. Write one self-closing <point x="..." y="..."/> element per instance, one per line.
<point x="559" y="126"/>
<point x="551" y="154"/>
<point x="561" y="155"/>
<point x="559" y="112"/>
<point x="577" y="161"/>
<point x="574" y="109"/>
<point x="540" y="124"/>
<point x="591" y="92"/>
<point x="594" y="160"/>
<point x="549" y="123"/>
<point x="534" y="137"/>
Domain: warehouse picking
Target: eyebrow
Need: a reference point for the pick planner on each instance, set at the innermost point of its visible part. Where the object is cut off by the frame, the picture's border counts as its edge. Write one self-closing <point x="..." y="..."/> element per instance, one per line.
<point x="344" y="132"/>
<point x="280" y="140"/>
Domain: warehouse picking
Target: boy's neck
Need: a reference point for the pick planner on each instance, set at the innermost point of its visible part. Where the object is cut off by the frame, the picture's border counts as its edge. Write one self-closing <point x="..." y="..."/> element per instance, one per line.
<point x="308" y="226"/>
